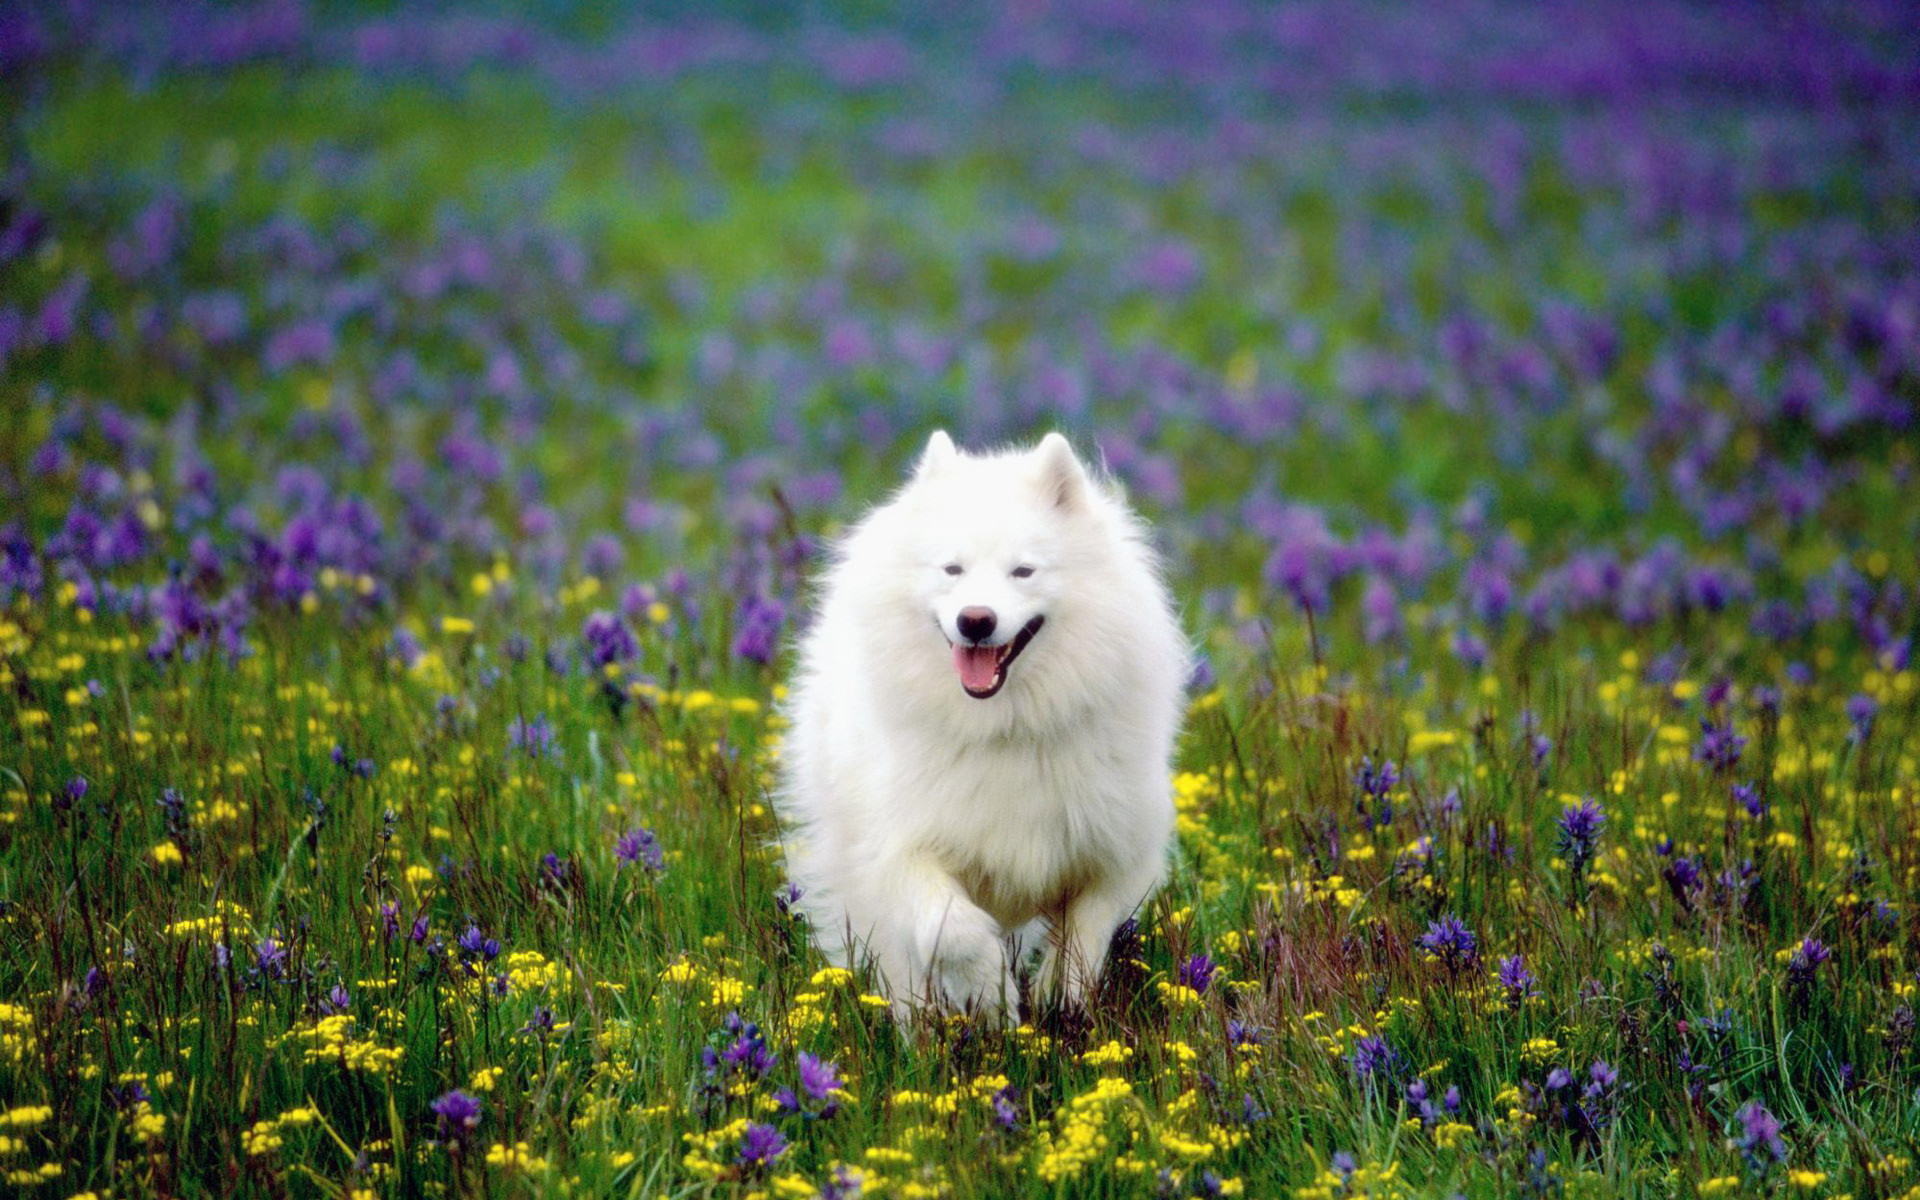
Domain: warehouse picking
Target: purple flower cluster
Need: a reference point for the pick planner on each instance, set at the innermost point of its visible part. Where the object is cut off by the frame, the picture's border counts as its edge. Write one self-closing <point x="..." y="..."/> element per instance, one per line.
<point x="608" y="641"/>
<point x="1196" y="972"/>
<point x="458" y="1113"/>
<point x="535" y="738"/>
<point x="1720" y="747"/>
<point x="741" y="1052"/>
<point x="1375" y="786"/>
<point x="1453" y="944"/>
<point x="1516" y="980"/>
<point x="639" y="847"/>
<point x="760" y="1145"/>
<point x="757" y="628"/>
<point x="1759" y="1138"/>
<point x="1375" y="1062"/>
<point x="1803" y="965"/>
<point x="1579" y="836"/>
<point x="1420" y="1100"/>
<point x="819" y="1080"/>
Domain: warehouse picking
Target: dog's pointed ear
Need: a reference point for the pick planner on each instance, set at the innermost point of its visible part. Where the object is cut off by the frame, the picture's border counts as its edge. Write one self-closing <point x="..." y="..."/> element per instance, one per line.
<point x="938" y="456"/>
<point x="1062" y="479"/>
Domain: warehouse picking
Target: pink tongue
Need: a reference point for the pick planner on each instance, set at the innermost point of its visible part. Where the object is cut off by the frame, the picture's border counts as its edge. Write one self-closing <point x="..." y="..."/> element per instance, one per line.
<point x="976" y="665"/>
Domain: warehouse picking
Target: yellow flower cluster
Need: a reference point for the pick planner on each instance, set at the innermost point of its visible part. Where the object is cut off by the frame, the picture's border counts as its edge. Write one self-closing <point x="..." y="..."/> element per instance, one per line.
<point x="517" y="1157"/>
<point x="265" y="1136"/>
<point x="813" y="1010"/>
<point x="29" y="1176"/>
<point x="331" y="1039"/>
<point x="708" y="1153"/>
<point x="717" y="991"/>
<point x="1084" y="1135"/>
<point x="1366" y="1180"/>
<point x="223" y="918"/>
<point x="16" y="1033"/>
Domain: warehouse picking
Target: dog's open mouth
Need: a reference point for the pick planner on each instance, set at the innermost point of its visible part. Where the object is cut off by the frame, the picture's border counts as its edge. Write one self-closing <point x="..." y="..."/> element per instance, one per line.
<point x="983" y="669"/>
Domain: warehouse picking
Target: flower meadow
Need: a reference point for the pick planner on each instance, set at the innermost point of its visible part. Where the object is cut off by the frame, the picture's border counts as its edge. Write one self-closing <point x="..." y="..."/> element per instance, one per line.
<point x="420" y="427"/>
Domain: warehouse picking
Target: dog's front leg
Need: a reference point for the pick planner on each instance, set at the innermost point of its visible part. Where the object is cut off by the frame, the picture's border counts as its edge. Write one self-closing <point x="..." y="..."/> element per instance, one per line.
<point x="959" y="951"/>
<point x="1077" y="949"/>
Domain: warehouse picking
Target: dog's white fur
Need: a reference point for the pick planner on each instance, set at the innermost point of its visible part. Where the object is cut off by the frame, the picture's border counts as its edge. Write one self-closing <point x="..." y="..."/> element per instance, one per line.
<point x="939" y="836"/>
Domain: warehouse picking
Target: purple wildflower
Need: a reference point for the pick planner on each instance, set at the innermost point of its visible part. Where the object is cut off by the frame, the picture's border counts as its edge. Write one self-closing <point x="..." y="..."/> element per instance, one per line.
<point x="756" y="636"/>
<point x="608" y="640"/>
<point x="535" y="738"/>
<point x="1374" y="1060"/>
<point x="1515" y="979"/>
<point x="458" y="1112"/>
<point x="270" y="958"/>
<point x="1375" y="784"/>
<point x="786" y="899"/>
<point x="1683" y="879"/>
<point x="1196" y="972"/>
<point x="540" y="1024"/>
<point x="759" y="1146"/>
<point x="818" y="1078"/>
<point x="1719" y="747"/>
<point x="1861" y="709"/>
<point x="474" y="944"/>
<point x="1580" y="826"/>
<point x="1006" y="1110"/>
<point x="1759" y="1138"/>
<point x="1601" y="1078"/>
<point x="747" y="1054"/>
<point x="1802" y="966"/>
<point x="1420" y="1100"/>
<point x="639" y="847"/>
<point x="1455" y="945"/>
<point x="1201" y="678"/>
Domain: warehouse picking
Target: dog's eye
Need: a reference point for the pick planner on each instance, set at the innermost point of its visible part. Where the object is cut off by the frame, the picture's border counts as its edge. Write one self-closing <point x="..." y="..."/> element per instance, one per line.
<point x="1022" y="572"/>
<point x="953" y="568"/>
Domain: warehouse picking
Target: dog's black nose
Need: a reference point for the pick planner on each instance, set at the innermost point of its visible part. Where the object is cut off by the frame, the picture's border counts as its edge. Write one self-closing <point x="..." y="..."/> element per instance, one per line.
<point x="976" y="624"/>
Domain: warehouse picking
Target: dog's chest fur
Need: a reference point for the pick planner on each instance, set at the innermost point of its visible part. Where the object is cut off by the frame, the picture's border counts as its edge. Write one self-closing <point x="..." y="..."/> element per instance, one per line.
<point x="1023" y="826"/>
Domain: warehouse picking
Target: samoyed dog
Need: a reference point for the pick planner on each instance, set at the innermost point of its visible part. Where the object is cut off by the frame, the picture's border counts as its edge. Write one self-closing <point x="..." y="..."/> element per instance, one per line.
<point x="982" y="726"/>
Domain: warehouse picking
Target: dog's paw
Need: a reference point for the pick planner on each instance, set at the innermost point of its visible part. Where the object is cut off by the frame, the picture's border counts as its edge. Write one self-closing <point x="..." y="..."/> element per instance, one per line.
<point x="969" y="968"/>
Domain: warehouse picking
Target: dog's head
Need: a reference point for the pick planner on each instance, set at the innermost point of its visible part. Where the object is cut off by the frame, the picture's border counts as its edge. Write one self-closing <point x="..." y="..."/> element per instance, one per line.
<point x="995" y="542"/>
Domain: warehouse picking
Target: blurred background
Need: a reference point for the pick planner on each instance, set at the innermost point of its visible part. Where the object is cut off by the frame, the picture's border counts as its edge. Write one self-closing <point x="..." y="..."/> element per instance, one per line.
<point x="1471" y="317"/>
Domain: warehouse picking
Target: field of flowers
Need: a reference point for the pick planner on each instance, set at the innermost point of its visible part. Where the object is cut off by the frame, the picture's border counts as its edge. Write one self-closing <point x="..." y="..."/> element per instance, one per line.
<point x="417" y="433"/>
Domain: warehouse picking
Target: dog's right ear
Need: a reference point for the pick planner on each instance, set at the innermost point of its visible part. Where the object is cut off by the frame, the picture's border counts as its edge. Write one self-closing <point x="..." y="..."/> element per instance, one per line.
<point x="938" y="456"/>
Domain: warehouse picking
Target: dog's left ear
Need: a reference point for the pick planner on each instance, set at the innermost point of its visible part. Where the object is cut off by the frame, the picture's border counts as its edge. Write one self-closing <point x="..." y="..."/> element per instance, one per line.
<point x="1062" y="479"/>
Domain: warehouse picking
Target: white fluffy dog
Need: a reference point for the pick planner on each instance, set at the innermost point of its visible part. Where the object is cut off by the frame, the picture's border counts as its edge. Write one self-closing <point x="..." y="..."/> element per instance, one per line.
<point x="981" y="731"/>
